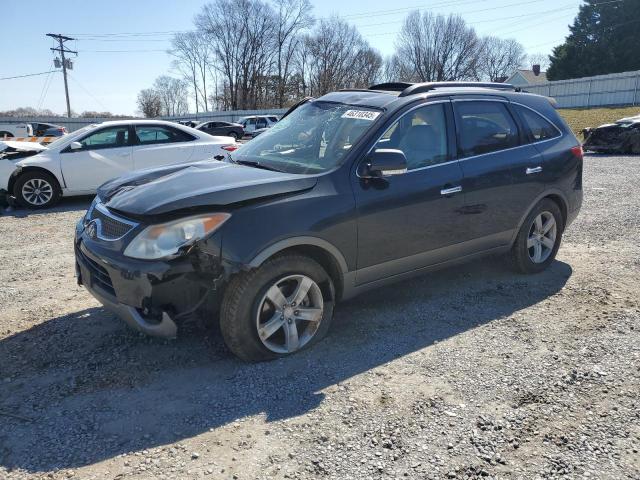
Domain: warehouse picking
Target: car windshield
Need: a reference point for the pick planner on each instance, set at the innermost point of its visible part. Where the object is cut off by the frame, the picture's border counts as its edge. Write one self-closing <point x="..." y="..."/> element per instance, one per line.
<point x="65" y="138"/>
<point x="314" y="138"/>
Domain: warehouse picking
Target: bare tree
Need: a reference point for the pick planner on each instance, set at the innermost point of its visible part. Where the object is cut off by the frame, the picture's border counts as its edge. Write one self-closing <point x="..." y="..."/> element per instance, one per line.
<point x="436" y="48"/>
<point x="339" y="57"/>
<point x="294" y="16"/>
<point x="241" y="34"/>
<point x="499" y="58"/>
<point x="192" y="57"/>
<point x="172" y="93"/>
<point x="149" y="103"/>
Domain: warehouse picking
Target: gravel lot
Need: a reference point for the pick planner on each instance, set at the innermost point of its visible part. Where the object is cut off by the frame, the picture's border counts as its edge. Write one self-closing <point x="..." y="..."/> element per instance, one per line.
<point x="472" y="372"/>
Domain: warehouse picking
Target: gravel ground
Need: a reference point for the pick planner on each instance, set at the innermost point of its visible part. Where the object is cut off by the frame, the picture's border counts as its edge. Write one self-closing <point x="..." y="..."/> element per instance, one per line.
<point x="472" y="372"/>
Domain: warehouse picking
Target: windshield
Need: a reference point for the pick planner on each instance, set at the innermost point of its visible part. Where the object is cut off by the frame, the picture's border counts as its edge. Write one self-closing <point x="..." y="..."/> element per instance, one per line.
<point x="314" y="138"/>
<point x="65" y="138"/>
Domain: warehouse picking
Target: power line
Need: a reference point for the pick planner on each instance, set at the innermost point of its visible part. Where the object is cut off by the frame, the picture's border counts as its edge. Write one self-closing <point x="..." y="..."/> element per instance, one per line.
<point x="28" y="75"/>
<point x="88" y="92"/>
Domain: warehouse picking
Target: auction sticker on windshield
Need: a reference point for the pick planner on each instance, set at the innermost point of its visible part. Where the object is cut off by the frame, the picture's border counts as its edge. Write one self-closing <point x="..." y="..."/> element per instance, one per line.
<point x="361" y="115"/>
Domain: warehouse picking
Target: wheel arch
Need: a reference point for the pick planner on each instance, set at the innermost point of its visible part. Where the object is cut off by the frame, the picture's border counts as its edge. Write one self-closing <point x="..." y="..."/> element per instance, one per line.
<point x="555" y="196"/>
<point x="19" y="171"/>
<point x="323" y="252"/>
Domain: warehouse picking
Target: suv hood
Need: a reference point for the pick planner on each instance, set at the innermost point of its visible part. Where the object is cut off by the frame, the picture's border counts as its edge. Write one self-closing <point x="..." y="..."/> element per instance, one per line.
<point x="209" y="183"/>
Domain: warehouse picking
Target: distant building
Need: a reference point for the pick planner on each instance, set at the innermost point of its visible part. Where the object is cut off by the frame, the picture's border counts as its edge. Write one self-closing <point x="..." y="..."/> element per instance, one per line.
<point x="524" y="78"/>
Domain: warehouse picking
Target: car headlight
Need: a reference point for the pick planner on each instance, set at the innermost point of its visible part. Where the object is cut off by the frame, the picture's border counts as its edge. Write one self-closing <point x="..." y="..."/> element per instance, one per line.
<point x="166" y="239"/>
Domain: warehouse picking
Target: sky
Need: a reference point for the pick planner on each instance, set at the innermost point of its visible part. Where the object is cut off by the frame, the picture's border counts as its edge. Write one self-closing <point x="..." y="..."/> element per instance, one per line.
<point x="110" y="70"/>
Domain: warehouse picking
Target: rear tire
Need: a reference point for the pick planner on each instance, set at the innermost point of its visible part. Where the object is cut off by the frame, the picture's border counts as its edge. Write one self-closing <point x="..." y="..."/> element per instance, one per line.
<point x="6" y="134"/>
<point x="539" y="238"/>
<point x="37" y="190"/>
<point x="261" y="316"/>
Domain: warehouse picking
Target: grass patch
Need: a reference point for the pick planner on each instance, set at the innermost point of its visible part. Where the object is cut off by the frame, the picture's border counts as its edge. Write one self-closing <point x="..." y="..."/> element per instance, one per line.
<point x="579" y="118"/>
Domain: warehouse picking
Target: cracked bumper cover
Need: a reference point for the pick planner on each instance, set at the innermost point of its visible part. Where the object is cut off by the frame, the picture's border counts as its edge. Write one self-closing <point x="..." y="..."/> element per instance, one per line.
<point x="150" y="296"/>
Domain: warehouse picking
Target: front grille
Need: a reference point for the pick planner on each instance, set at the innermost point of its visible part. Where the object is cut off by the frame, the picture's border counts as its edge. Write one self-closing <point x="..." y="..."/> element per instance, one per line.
<point x="108" y="226"/>
<point x="99" y="275"/>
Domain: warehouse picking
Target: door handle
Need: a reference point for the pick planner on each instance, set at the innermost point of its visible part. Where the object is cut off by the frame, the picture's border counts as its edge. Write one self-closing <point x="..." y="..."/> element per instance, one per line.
<point x="451" y="191"/>
<point x="123" y="154"/>
<point x="529" y="171"/>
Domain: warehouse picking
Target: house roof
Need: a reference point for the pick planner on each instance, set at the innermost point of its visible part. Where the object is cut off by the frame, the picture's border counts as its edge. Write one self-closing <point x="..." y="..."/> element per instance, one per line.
<point x="529" y="76"/>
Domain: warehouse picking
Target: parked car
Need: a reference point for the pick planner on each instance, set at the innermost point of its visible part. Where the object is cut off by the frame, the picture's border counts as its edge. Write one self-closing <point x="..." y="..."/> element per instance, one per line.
<point x="622" y="136"/>
<point x="189" y="123"/>
<point x="48" y="130"/>
<point x="257" y="122"/>
<point x="9" y="130"/>
<point x="350" y="191"/>
<point x="78" y="163"/>
<point x="228" y="129"/>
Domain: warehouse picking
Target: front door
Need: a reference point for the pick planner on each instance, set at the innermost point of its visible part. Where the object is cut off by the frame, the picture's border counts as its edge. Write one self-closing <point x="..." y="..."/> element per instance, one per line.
<point x="104" y="154"/>
<point x="411" y="220"/>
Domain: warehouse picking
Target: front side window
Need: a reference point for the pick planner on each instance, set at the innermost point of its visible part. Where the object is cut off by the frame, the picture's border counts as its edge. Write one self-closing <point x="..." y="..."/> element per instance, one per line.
<point x="484" y="127"/>
<point x="314" y="138"/>
<point x="150" y="134"/>
<point x="539" y="128"/>
<point x="421" y="134"/>
<point x="111" y="137"/>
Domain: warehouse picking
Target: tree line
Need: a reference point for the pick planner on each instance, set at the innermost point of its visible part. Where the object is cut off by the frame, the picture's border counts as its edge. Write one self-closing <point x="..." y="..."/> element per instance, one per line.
<point x="256" y="54"/>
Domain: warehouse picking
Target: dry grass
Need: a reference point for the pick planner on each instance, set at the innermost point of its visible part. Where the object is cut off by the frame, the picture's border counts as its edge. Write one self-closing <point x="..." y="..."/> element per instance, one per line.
<point x="579" y="118"/>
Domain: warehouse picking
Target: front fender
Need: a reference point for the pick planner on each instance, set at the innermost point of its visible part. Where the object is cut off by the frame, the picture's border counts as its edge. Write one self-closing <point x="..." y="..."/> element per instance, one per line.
<point x="43" y="162"/>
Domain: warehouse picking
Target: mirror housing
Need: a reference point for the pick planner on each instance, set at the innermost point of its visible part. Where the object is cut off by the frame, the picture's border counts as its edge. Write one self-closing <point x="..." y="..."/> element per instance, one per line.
<point x="385" y="162"/>
<point x="75" y="145"/>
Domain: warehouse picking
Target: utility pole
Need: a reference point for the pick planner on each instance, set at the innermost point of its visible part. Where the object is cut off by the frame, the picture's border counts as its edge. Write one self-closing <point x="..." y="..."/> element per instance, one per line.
<point x="61" y="39"/>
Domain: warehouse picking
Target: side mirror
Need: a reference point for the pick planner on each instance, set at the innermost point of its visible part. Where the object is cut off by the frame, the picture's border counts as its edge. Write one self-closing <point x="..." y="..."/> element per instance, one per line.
<point x="75" y="145"/>
<point x="385" y="162"/>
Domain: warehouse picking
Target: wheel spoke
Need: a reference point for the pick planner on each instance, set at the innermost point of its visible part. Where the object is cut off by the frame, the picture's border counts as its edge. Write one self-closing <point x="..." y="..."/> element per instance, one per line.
<point x="547" y="242"/>
<point x="539" y="223"/>
<point x="274" y="294"/>
<point x="291" y="336"/>
<point x="309" y="314"/>
<point x="548" y="225"/>
<point x="271" y="327"/>
<point x="531" y="242"/>
<point x="302" y="290"/>
<point x="537" y="252"/>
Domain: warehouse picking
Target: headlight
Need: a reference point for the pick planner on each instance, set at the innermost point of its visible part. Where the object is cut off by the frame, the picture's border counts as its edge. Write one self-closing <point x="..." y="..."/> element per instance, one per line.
<point x="166" y="239"/>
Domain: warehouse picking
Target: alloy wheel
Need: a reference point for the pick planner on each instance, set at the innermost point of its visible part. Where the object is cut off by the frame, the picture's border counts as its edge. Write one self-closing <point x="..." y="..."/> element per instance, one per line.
<point x="542" y="237"/>
<point x="37" y="191"/>
<point x="289" y="314"/>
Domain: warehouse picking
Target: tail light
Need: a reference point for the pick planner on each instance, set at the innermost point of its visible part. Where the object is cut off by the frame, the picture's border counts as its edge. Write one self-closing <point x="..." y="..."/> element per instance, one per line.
<point x="577" y="152"/>
<point x="231" y="148"/>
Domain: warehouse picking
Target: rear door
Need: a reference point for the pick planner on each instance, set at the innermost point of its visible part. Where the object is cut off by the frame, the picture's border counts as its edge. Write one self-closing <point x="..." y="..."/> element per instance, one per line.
<point x="491" y="148"/>
<point x="157" y="145"/>
<point x="105" y="154"/>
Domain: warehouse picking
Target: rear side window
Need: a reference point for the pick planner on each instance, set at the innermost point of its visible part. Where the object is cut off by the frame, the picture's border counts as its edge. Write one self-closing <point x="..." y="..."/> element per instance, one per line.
<point x="539" y="128"/>
<point x="484" y="127"/>
<point x="149" y="134"/>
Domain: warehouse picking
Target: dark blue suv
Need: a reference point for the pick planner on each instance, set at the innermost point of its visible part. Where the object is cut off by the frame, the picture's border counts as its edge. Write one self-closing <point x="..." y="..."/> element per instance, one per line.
<point x="349" y="191"/>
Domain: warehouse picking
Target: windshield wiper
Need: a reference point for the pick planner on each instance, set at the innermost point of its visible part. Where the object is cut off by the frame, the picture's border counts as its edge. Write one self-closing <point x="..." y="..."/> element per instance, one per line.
<point x="253" y="163"/>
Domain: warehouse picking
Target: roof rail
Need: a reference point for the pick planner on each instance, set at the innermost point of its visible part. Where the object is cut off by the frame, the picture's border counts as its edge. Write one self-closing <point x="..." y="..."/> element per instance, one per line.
<point x="428" y="86"/>
<point x="406" y="88"/>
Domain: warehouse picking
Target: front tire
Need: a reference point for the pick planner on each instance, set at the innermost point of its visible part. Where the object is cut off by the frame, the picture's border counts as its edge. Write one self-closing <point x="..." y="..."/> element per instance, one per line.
<point x="37" y="190"/>
<point x="278" y="309"/>
<point x="234" y="135"/>
<point x="539" y="238"/>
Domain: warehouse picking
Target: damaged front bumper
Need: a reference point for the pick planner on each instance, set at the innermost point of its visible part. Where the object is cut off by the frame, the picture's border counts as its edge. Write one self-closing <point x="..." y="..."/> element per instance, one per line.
<point x="151" y="296"/>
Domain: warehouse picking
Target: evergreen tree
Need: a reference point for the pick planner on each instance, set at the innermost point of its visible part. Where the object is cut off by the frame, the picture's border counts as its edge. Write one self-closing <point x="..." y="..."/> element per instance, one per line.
<point x="604" y="38"/>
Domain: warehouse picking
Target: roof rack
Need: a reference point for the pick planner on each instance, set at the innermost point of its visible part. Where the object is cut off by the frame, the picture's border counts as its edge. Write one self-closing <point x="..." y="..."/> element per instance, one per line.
<point x="412" y="88"/>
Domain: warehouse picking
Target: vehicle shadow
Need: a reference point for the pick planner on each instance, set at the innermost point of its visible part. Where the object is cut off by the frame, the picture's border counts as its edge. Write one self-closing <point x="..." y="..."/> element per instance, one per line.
<point x="71" y="204"/>
<point x="82" y="388"/>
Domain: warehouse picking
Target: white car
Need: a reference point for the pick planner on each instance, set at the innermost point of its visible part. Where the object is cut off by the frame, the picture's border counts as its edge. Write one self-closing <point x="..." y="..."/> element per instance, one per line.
<point x="257" y="122"/>
<point x="78" y="163"/>
<point x="15" y="130"/>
